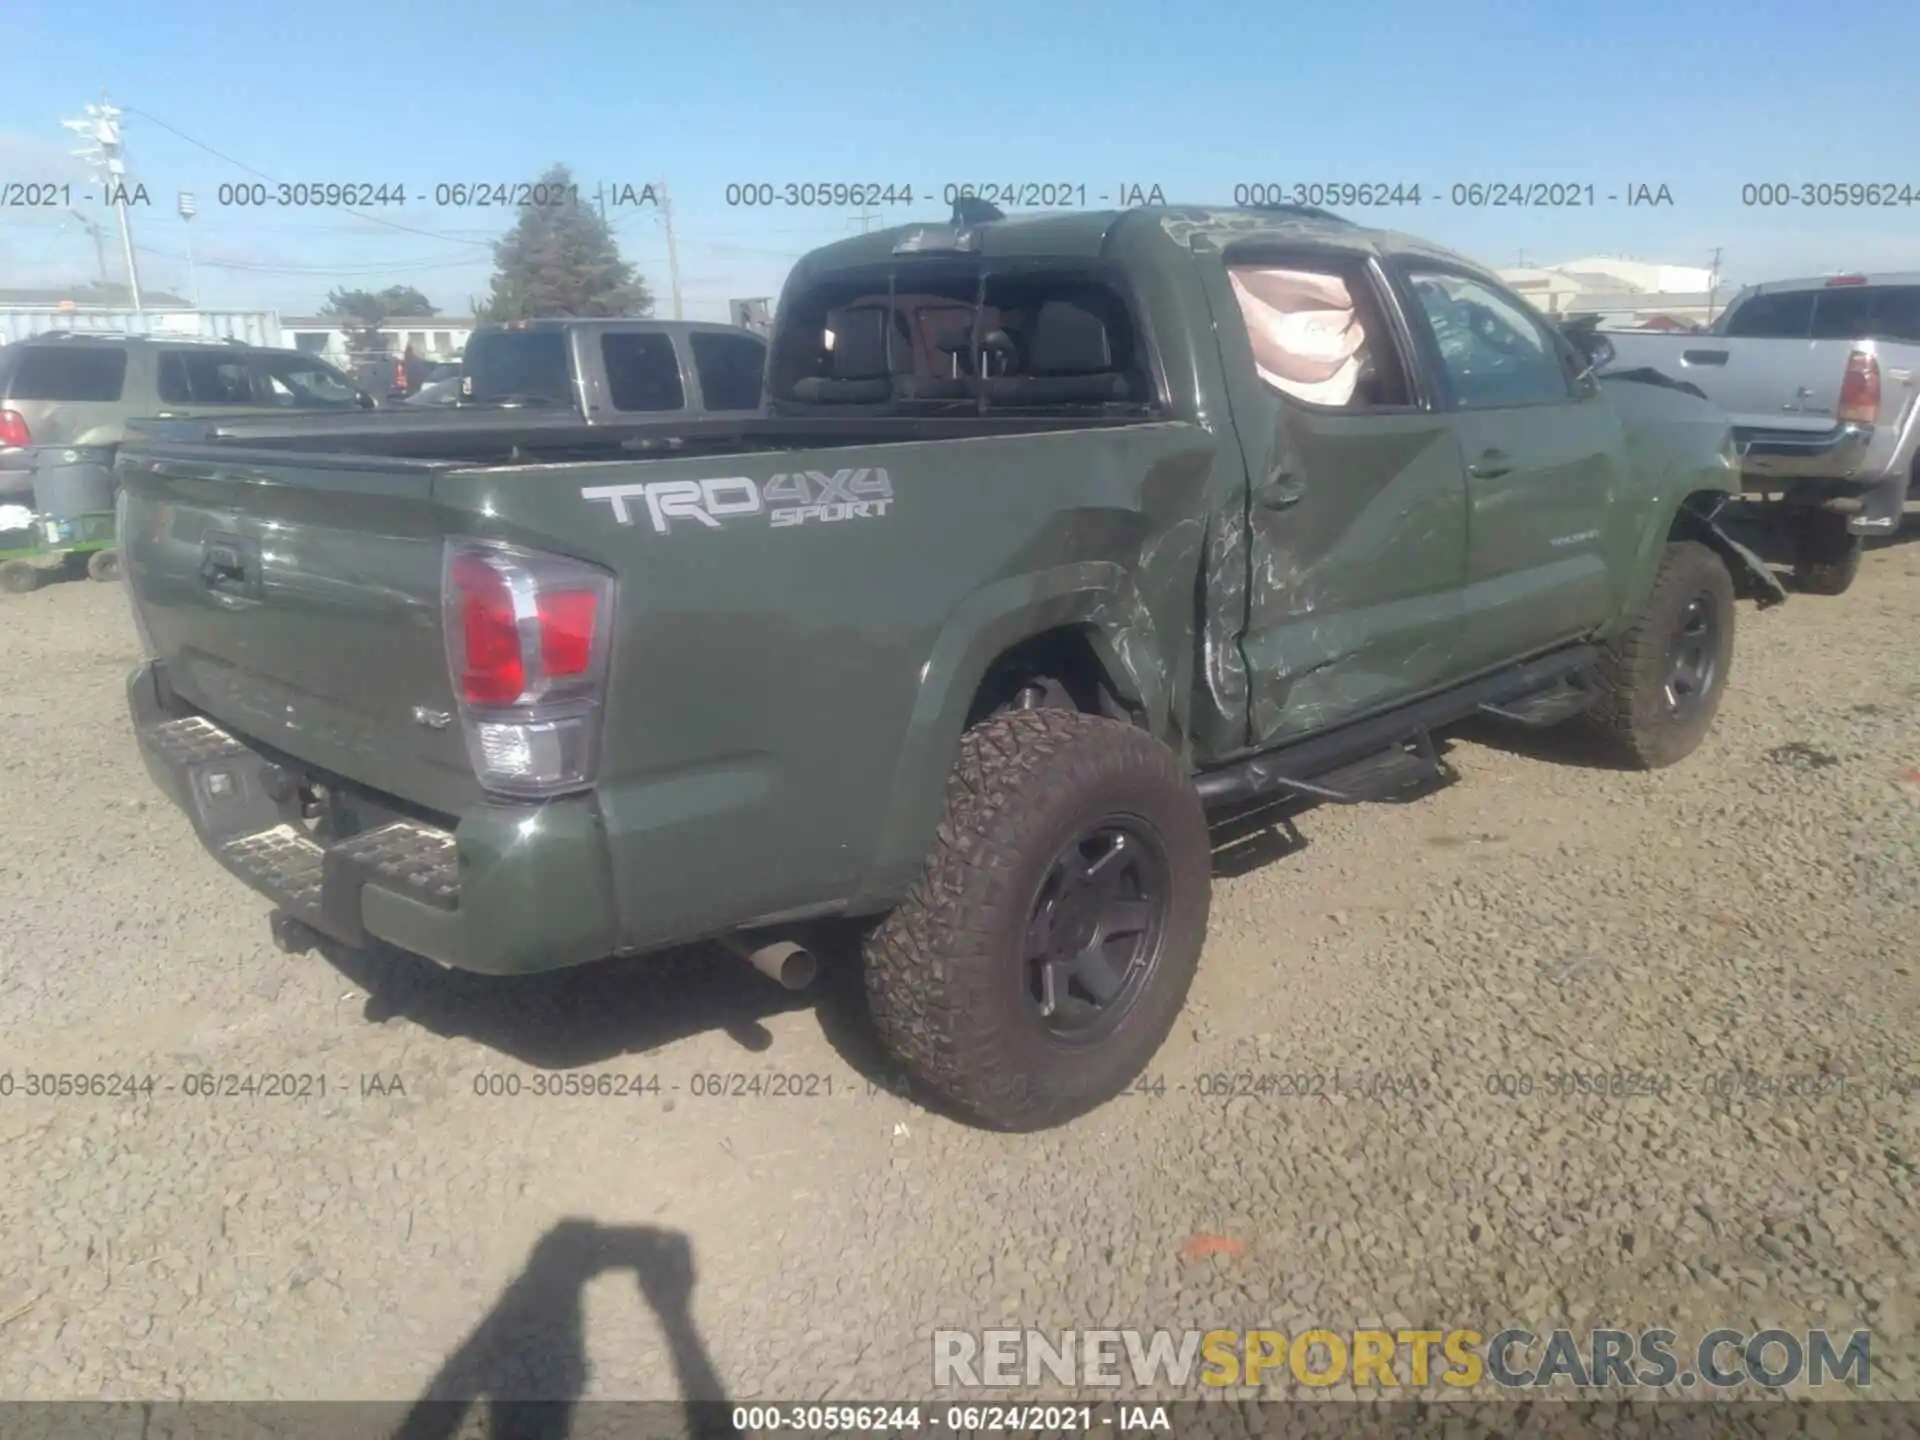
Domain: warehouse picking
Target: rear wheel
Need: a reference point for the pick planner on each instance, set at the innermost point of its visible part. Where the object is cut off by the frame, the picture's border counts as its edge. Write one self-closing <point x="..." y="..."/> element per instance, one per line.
<point x="104" y="566"/>
<point x="1046" y="951"/>
<point x="1827" y="557"/>
<point x="17" y="577"/>
<point x="1660" y="683"/>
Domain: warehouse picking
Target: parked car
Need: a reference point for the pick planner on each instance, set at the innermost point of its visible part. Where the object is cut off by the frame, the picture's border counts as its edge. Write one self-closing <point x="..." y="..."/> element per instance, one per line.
<point x="80" y="388"/>
<point x="1821" y="377"/>
<point x="1057" y="536"/>
<point x="442" y="387"/>
<point x="379" y="376"/>
<point x="605" y="369"/>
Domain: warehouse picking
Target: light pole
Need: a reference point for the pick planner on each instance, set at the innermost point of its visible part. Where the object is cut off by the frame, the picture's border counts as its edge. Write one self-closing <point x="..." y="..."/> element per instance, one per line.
<point x="673" y="250"/>
<point x="102" y="126"/>
<point x="186" y="218"/>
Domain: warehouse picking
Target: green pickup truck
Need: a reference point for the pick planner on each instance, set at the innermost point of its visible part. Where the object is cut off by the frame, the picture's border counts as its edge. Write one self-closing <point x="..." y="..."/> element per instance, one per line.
<point x="1060" y="537"/>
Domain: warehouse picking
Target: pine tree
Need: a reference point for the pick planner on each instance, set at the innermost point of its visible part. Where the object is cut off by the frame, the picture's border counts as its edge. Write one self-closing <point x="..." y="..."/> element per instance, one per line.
<point x="562" y="260"/>
<point x="361" y="313"/>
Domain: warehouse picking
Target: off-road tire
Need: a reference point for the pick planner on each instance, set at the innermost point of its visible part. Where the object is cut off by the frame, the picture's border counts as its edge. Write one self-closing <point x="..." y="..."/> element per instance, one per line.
<point x="945" y="977"/>
<point x="17" y="577"/>
<point x="104" y="566"/>
<point x="1826" y="557"/>
<point x="1630" y="718"/>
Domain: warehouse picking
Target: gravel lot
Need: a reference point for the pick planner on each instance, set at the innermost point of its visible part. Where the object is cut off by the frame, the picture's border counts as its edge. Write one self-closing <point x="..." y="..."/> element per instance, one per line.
<point x="1757" y="908"/>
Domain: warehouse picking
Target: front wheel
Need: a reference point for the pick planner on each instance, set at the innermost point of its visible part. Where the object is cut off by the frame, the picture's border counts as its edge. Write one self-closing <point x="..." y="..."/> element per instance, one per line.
<point x="1660" y="683"/>
<point x="104" y="566"/>
<point x="1047" y="949"/>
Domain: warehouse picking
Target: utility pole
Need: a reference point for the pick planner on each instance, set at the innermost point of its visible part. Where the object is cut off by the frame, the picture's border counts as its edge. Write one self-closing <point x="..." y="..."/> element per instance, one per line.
<point x="99" y="244"/>
<point x="186" y="218"/>
<point x="865" y="218"/>
<point x="673" y="251"/>
<point x="1713" y="283"/>
<point x="102" y="126"/>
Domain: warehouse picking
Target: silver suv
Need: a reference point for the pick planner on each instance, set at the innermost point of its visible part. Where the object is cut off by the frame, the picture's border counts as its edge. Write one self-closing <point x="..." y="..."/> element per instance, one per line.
<point x="75" y="388"/>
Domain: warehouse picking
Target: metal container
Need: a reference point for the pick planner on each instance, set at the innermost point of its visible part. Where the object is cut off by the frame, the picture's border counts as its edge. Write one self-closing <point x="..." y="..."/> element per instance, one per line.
<point x="256" y="327"/>
<point x="72" y="480"/>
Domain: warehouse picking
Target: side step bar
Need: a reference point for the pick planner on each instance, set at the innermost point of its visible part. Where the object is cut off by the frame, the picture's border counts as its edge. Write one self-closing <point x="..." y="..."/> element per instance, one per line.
<point x="1545" y="707"/>
<point x="1372" y="759"/>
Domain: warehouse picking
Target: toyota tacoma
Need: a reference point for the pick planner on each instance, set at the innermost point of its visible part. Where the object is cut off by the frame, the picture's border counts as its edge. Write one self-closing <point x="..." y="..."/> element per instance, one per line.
<point x="1060" y="537"/>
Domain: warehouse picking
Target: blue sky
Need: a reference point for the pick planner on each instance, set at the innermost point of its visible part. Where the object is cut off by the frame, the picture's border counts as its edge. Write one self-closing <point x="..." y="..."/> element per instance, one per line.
<point x="1194" y="97"/>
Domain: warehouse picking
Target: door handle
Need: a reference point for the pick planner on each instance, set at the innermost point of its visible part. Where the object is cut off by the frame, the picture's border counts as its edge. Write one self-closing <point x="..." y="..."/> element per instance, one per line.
<point x="1490" y="466"/>
<point x="1703" y="357"/>
<point x="1280" y="491"/>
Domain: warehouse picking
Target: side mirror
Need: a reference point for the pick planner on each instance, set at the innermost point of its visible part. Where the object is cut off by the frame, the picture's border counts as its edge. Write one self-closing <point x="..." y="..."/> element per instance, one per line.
<point x="364" y="400"/>
<point x="1593" y="348"/>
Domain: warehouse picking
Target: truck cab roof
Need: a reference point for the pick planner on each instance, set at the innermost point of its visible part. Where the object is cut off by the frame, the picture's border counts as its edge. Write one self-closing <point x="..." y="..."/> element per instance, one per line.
<point x="1826" y="282"/>
<point x="612" y="322"/>
<point x="1092" y="233"/>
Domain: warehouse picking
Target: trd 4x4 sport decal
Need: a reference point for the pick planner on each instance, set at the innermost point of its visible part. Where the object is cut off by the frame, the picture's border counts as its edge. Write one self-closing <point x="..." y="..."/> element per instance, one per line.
<point x="793" y="498"/>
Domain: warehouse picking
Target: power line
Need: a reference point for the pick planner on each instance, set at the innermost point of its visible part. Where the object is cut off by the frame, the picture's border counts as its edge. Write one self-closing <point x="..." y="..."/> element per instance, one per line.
<point x="357" y="214"/>
<point x="355" y="268"/>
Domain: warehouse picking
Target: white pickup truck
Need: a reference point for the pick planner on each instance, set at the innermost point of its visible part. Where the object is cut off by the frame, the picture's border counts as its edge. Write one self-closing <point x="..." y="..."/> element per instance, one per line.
<point x="1821" y="379"/>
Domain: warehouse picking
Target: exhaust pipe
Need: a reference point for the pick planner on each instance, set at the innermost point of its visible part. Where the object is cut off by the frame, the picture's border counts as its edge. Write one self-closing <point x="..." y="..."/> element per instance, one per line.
<point x="783" y="961"/>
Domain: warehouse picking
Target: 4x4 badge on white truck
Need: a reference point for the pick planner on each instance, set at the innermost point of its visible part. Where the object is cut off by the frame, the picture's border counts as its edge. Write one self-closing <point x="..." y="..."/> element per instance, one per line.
<point x="791" y="498"/>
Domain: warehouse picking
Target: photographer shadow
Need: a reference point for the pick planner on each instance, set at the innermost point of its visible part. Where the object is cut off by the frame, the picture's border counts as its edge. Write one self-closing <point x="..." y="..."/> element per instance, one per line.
<point x="527" y="1360"/>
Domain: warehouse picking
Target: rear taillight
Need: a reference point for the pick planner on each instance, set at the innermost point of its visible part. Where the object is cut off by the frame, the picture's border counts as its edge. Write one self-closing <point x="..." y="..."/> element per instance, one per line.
<point x="13" y="429"/>
<point x="1860" y="390"/>
<point x="527" y="638"/>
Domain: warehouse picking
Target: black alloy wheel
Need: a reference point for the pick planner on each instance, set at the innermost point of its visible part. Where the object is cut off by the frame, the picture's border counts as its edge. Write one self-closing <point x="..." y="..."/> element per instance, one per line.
<point x="1094" y="930"/>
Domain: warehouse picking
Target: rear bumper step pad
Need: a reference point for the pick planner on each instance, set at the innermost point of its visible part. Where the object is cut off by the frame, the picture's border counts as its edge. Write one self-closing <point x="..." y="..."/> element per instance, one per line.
<point x="222" y="783"/>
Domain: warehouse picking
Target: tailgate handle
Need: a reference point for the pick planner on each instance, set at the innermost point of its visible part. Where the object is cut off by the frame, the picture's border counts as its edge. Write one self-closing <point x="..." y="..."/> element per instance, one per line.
<point x="1703" y="357"/>
<point x="230" y="564"/>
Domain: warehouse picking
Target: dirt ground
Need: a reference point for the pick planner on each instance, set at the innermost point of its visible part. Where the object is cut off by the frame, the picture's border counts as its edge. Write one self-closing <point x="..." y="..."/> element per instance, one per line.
<point x="418" y="1229"/>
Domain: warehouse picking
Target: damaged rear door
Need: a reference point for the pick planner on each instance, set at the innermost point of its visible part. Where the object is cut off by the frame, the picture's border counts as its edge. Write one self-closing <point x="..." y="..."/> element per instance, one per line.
<point x="1357" y="502"/>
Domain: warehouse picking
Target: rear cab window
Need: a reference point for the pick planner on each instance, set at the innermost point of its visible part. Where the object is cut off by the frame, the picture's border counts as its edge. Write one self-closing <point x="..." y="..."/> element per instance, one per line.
<point x="1781" y="315"/>
<point x="1867" y="312"/>
<point x="71" y="372"/>
<point x="731" y="369"/>
<point x="518" y="365"/>
<point x="643" y="371"/>
<point x="1830" y="312"/>
<point x="966" y="337"/>
<point x="1896" y="314"/>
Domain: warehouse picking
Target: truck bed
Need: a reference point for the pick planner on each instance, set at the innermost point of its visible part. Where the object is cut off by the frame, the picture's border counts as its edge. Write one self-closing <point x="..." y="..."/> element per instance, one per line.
<point x="529" y="436"/>
<point x="783" y="645"/>
<point x="1781" y="396"/>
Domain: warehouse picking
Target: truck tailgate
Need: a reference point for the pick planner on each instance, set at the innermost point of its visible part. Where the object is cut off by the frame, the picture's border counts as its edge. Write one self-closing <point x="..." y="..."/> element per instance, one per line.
<point x="301" y="608"/>
<point x="1788" y="386"/>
